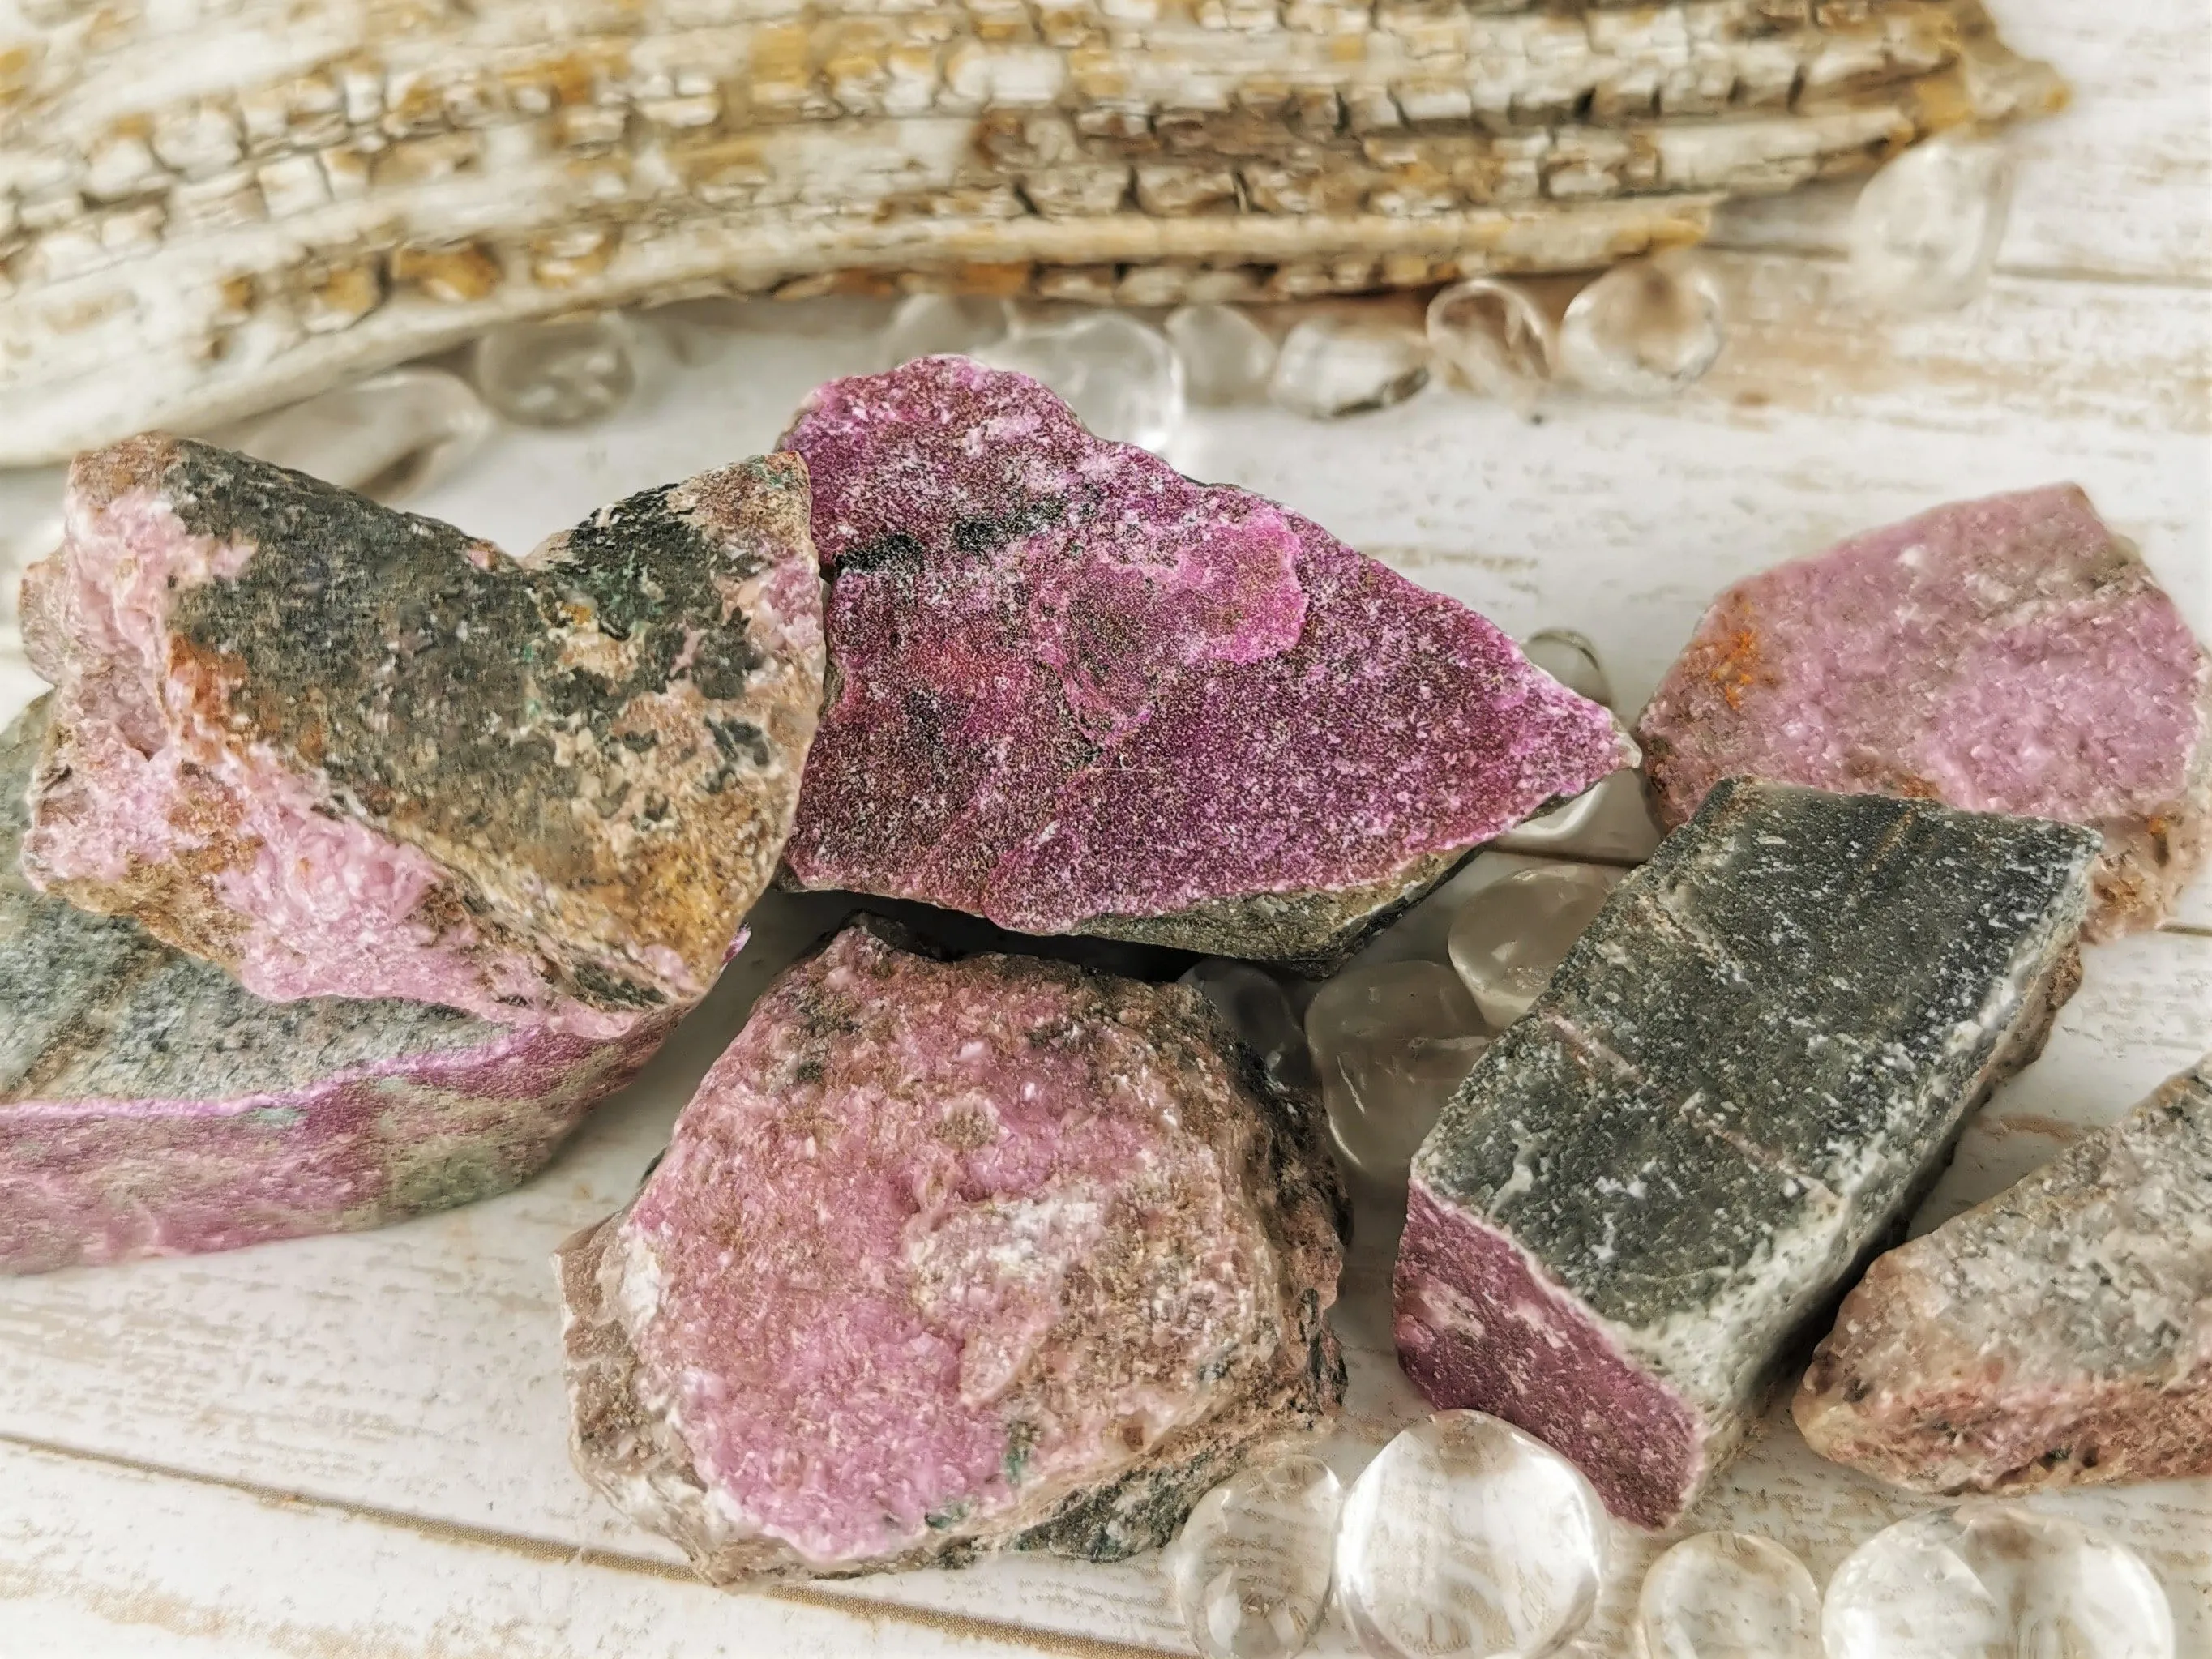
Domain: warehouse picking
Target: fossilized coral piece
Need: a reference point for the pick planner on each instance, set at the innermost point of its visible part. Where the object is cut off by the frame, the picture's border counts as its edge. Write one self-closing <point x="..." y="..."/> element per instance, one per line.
<point x="284" y="194"/>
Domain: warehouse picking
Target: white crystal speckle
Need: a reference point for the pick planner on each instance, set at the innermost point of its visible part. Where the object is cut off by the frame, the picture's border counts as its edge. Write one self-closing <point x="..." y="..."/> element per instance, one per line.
<point x="1510" y="936"/>
<point x="1995" y="1581"/>
<point x="1391" y="1042"/>
<point x="1120" y="376"/>
<point x="1926" y="229"/>
<point x="1467" y="1537"/>
<point x="1729" y="1596"/>
<point x="1250" y="1569"/>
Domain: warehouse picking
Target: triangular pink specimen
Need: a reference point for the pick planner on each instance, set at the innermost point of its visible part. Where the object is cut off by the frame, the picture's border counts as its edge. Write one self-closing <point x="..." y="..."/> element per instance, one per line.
<point x="1073" y="690"/>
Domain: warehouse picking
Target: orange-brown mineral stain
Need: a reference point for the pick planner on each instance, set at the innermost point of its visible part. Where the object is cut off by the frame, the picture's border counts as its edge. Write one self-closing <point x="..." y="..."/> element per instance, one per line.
<point x="1732" y="661"/>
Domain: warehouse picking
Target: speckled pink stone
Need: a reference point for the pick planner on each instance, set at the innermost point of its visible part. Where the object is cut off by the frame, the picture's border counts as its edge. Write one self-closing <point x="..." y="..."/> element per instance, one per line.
<point x="2006" y="655"/>
<point x="941" y="1249"/>
<point x="1075" y="690"/>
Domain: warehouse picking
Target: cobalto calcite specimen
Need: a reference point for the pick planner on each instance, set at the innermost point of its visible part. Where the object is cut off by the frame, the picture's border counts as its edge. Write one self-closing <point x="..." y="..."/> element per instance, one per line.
<point x="946" y="1257"/>
<point x="1743" y="1077"/>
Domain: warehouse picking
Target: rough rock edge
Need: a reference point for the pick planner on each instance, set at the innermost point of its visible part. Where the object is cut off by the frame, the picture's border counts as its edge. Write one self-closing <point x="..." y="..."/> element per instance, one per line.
<point x="2092" y="1446"/>
<point x="637" y="1460"/>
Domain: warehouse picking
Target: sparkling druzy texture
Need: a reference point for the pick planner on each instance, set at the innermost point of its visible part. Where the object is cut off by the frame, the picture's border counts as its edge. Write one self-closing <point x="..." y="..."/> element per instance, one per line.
<point x="2060" y="1333"/>
<point x="1073" y="691"/>
<point x="2006" y="655"/>
<point x="151" y="1106"/>
<point x="1742" y="1078"/>
<point x="343" y="750"/>
<point x="946" y="1257"/>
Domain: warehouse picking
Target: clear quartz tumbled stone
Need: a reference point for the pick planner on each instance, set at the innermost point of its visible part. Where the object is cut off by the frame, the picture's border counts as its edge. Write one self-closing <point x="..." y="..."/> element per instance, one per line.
<point x="1510" y="936"/>
<point x="564" y="372"/>
<point x="1728" y="1595"/>
<point x="1467" y="1537"/>
<point x="1494" y="337"/>
<point x="1226" y="356"/>
<point x="1571" y="660"/>
<point x="1926" y="229"/>
<point x="1647" y="328"/>
<point x="1995" y="1581"/>
<point x="1259" y="1012"/>
<point x="1250" y="1569"/>
<point x="1120" y="376"/>
<point x="1391" y="1042"/>
<point x="926" y="324"/>
<point x="386" y="435"/>
<point x="1336" y="365"/>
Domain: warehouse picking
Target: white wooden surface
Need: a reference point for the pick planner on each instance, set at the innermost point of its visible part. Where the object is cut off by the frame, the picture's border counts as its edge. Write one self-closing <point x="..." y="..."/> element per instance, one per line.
<point x="353" y="1446"/>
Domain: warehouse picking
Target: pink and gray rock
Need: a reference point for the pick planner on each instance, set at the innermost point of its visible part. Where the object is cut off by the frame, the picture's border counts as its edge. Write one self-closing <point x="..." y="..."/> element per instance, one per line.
<point x="948" y="1256"/>
<point x="1073" y="691"/>
<point x="2006" y="655"/>
<point x="2059" y="1335"/>
<point x="150" y="1106"/>
<point x="343" y="750"/>
<point x="1651" y="1188"/>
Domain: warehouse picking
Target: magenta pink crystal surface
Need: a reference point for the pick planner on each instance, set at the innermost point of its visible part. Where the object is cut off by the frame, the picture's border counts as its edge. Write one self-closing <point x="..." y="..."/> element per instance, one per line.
<point x="2006" y="655"/>
<point x="940" y="1248"/>
<point x="1075" y="687"/>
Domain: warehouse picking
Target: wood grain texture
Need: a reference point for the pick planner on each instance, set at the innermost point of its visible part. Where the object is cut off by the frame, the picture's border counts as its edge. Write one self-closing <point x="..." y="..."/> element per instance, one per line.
<point x="405" y="1382"/>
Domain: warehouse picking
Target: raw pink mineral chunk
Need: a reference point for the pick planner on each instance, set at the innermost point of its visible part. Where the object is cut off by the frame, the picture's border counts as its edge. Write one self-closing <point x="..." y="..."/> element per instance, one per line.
<point x="2006" y="655"/>
<point x="343" y="750"/>
<point x="149" y="1105"/>
<point x="950" y="1255"/>
<point x="1074" y="691"/>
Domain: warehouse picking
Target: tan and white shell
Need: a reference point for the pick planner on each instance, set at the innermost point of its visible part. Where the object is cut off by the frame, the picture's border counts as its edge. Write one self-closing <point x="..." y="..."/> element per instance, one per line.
<point x="209" y="207"/>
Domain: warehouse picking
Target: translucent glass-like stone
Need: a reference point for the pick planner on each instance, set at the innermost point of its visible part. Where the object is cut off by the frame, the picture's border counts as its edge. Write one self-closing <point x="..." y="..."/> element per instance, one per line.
<point x="1570" y="659"/>
<point x="1927" y="226"/>
<point x="387" y="436"/>
<point x="1250" y="1568"/>
<point x="1496" y="338"/>
<point x="1511" y="935"/>
<point x="1467" y="1537"/>
<point x="558" y="373"/>
<point x="925" y="324"/>
<point x="1995" y="1581"/>
<point x="1646" y="328"/>
<point x="1120" y="375"/>
<point x="1391" y="1042"/>
<point x="1259" y="1011"/>
<point x="1332" y="366"/>
<point x="1729" y="1596"/>
<point x="1226" y="356"/>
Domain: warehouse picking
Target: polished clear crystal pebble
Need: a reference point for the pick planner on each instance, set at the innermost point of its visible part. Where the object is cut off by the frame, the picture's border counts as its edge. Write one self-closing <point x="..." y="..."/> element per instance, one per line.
<point x="1391" y="1042"/>
<point x="1509" y="936"/>
<point x="1120" y="375"/>
<point x="1646" y="328"/>
<point x="1259" y="1012"/>
<point x="1467" y="1537"/>
<point x="1494" y="337"/>
<point x="1250" y="1568"/>
<point x="558" y="373"/>
<point x="388" y="435"/>
<point x="1571" y="660"/>
<point x="927" y="325"/>
<point x="1332" y="366"/>
<point x="1226" y="356"/>
<point x="1995" y="1581"/>
<point x="1927" y="226"/>
<point x="1729" y="1596"/>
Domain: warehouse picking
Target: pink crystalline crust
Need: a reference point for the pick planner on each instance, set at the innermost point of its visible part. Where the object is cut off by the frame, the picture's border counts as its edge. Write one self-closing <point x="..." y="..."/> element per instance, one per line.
<point x="1478" y="1329"/>
<point x="2005" y="655"/>
<point x="328" y="904"/>
<point x="929" y="1233"/>
<point x="87" y="1182"/>
<point x="1170" y="693"/>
